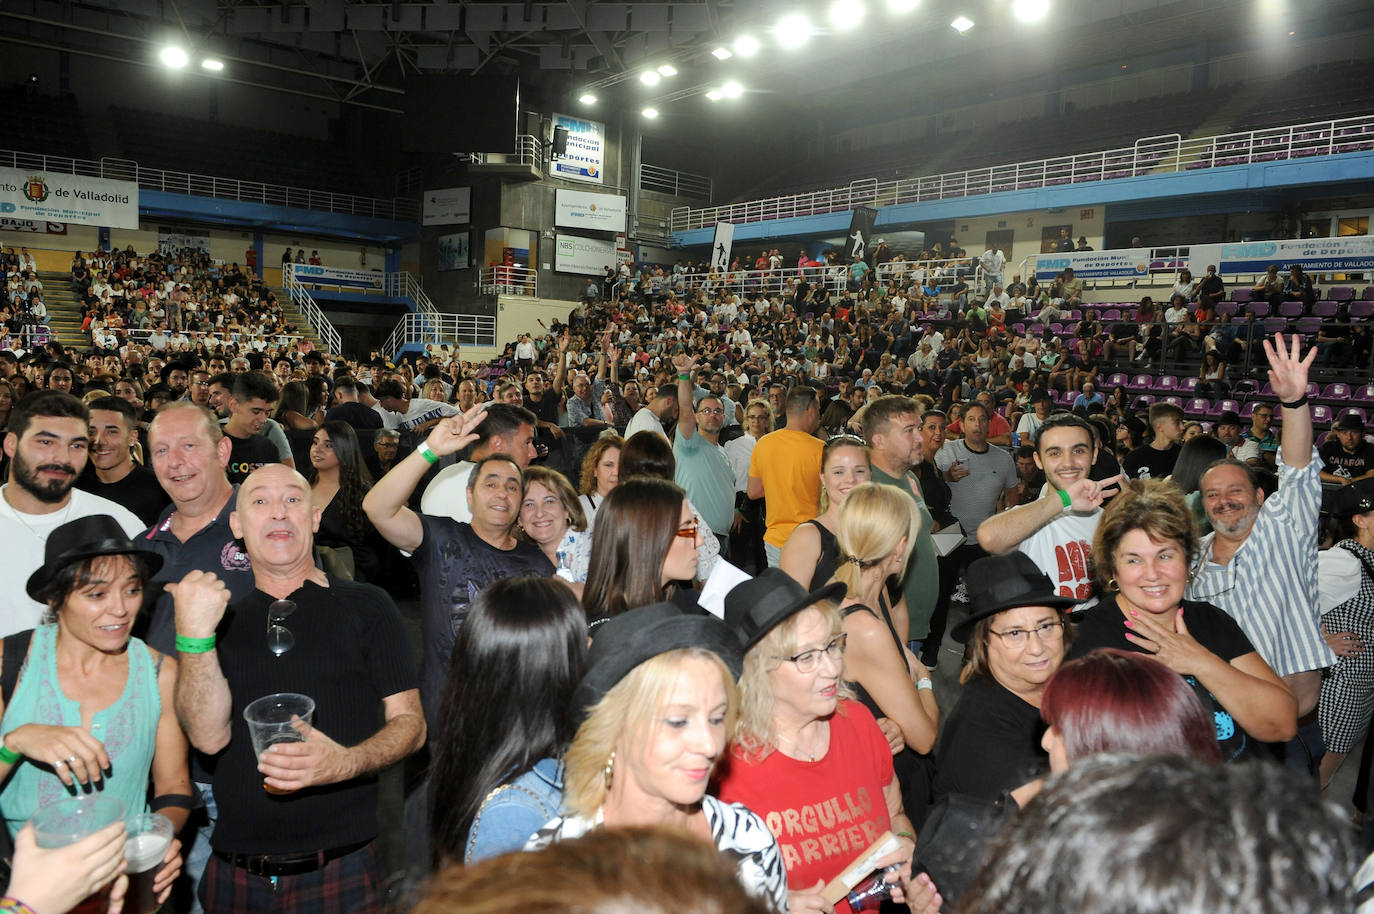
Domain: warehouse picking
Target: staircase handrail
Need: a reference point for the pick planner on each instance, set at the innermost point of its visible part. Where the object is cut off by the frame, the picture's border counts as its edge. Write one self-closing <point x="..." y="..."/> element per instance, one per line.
<point x="311" y="311"/>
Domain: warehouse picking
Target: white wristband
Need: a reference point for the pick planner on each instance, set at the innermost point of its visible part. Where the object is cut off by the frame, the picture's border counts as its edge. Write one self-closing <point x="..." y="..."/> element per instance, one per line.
<point x="925" y="683"/>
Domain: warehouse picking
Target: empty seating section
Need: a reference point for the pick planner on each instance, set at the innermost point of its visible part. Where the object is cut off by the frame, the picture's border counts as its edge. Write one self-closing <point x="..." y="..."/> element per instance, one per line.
<point x="43" y="124"/>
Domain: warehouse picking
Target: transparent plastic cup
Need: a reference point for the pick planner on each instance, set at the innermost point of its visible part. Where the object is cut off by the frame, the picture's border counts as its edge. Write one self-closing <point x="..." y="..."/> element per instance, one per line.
<point x="270" y="721"/>
<point x="149" y="836"/>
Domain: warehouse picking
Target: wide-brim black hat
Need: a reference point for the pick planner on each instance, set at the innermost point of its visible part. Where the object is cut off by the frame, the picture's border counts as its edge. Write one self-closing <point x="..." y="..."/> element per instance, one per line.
<point x="1001" y="582"/>
<point x="1356" y="498"/>
<point x="629" y="639"/>
<point x="755" y="607"/>
<point x="84" y="538"/>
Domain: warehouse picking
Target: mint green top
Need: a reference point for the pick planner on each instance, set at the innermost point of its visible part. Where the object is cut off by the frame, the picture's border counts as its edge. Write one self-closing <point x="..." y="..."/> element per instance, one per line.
<point x="127" y="728"/>
<point x="921" y="583"/>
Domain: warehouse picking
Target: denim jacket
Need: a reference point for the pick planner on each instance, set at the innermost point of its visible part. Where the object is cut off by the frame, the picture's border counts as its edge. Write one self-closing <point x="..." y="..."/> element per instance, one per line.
<point x="516" y="810"/>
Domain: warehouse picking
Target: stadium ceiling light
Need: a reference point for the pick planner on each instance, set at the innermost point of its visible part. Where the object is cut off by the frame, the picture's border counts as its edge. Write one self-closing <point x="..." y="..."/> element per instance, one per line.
<point x="214" y="65"/>
<point x="650" y="113"/>
<point x="174" y="57"/>
<point x="587" y="98"/>
<point x="902" y="6"/>
<point x="715" y="95"/>
<point x="732" y="89"/>
<point x="962" y="24"/>
<point x="746" y="45"/>
<point x="1030" y="10"/>
<point x="846" y="15"/>
<point x="668" y="70"/>
<point x="793" y="30"/>
<point x="650" y="78"/>
<point x="722" y="53"/>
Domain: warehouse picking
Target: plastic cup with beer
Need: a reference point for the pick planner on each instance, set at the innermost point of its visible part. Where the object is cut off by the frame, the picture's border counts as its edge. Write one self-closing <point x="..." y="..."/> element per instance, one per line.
<point x="270" y="721"/>
<point x="149" y="836"/>
<point x="67" y="822"/>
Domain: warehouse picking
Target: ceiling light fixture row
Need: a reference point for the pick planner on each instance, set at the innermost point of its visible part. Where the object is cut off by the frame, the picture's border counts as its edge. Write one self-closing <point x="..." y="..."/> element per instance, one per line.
<point x="175" y="57"/>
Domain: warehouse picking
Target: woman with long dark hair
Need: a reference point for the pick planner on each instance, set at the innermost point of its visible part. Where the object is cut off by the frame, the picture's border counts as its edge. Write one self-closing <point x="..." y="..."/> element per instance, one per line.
<point x="497" y="773"/>
<point x="649" y="454"/>
<point x="339" y="479"/>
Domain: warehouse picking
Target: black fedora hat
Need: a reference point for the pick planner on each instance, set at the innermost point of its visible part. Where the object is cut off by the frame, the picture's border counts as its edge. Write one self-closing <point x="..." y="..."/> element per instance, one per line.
<point x="1001" y="582"/>
<point x="755" y="607"/>
<point x="629" y="639"/>
<point x="84" y="538"/>
<point x="1356" y="498"/>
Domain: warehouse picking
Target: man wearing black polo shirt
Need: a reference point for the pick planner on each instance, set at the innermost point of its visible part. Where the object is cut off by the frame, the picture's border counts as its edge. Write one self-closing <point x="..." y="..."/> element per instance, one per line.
<point x="111" y="472"/>
<point x="453" y="560"/>
<point x="297" y="824"/>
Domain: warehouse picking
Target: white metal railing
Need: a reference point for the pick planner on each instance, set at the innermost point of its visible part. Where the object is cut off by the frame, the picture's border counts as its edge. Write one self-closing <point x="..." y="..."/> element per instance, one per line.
<point x="451" y="329"/>
<point x="672" y="181"/>
<point x="528" y="151"/>
<point x="212" y="186"/>
<point x="504" y="280"/>
<point x="403" y="284"/>
<point x="241" y="338"/>
<point x="314" y="316"/>
<point x="1147" y="155"/>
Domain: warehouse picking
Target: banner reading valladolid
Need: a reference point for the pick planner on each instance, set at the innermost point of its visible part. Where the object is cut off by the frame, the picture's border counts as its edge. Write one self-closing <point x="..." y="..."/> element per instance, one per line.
<point x="585" y="159"/>
<point x="588" y="256"/>
<point x="1127" y="263"/>
<point x="50" y="196"/>
<point x="1350" y="254"/>
<point x="596" y="212"/>
<point x="332" y="276"/>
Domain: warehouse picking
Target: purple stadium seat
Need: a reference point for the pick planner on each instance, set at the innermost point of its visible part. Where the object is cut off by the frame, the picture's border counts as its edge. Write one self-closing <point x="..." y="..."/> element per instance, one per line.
<point x="1117" y="380"/>
<point x="1309" y="325"/>
<point x="1324" y="308"/>
<point x="1111" y="314"/>
<point x="1144" y="401"/>
<point x="1260" y="308"/>
<point x="1364" y="394"/>
<point x="1175" y="401"/>
<point x="1337" y="392"/>
<point x="1166" y="383"/>
<point x="1187" y="385"/>
<point x="1368" y="293"/>
<point x="1274" y="325"/>
<point x="1227" y="307"/>
<point x="1197" y="407"/>
<point x="1222" y="406"/>
<point x="1241" y="295"/>
<point x="1321" y="414"/>
<point x="1141" y="382"/>
<point x="1340" y="293"/>
<point x="1314" y="390"/>
<point x="1290" y="309"/>
<point x="1362" y="308"/>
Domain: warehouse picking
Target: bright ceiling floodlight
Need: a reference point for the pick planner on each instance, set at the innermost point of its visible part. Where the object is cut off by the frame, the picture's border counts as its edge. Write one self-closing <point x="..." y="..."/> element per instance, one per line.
<point x="722" y="54"/>
<point x="793" y="30"/>
<point x="732" y="89"/>
<point x="668" y="70"/>
<point x="746" y="45"/>
<point x="650" y="113"/>
<point x="715" y="95"/>
<point x="587" y="98"/>
<point x="212" y="64"/>
<point x="846" y="15"/>
<point x="650" y="78"/>
<point x="962" y="24"/>
<point x="1030" y="10"/>
<point x="902" y="6"/>
<point x="174" y="57"/>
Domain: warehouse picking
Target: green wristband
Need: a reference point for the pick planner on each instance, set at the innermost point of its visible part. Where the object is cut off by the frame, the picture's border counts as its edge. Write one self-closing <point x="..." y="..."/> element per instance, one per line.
<point x="195" y="645"/>
<point x="684" y="377"/>
<point x="1065" y="498"/>
<point x="424" y="451"/>
<point x="8" y="756"/>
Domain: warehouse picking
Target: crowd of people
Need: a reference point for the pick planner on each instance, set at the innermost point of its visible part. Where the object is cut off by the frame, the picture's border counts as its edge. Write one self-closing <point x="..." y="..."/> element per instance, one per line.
<point x="685" y="562"/>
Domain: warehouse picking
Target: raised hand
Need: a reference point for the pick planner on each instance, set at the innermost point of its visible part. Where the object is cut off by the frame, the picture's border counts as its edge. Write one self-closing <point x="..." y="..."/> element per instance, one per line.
<point x="1088" y="494"/>
<point x="199" y="601"/>
<point x="684" y="363"/>
<point x="453" y="433"/>
<point x="1287" y="368"/>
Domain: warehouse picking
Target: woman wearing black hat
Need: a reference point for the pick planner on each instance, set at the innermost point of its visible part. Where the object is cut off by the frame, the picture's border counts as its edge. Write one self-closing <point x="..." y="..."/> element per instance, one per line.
<point x="654" y="711"/>
<point x="1016" y="637"/>
<point x="93" y="705"/>
<point x="1345" y="581"/>
<point x="1142" y="550"/>
<point x="806" y="756"/>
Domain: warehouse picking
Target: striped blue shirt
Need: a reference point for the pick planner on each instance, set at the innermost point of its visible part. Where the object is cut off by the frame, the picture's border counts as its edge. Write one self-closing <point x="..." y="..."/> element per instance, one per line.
<point x="1270" y="585"/>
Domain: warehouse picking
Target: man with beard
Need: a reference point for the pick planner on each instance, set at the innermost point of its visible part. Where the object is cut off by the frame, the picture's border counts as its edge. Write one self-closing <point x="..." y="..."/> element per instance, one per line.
<point x="47" y="443"/>
<point x="703" y="470"/>
<point x="111" y="472"/>
<point x="1260" y="562"/>
<point x="176" y="377"/>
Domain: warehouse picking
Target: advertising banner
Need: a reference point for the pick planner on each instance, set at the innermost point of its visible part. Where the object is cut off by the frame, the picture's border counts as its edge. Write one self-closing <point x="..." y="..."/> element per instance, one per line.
<point x="1126" y="263"/>
<point x="594" y="212"/>
<point x="588" y="256"/>
<point x="172" y="238"/>
<point x="721" y="245"/>
<point x="49" y="196"/>
<point x="585" y="159"/>
<point x="29" y="225"/>
<point x="453" y="251"/>
<point x="447" y="206"/>
<point x="861" y="232"/>
<point x="306" y="274"/>
<point x="1348" y="254"/>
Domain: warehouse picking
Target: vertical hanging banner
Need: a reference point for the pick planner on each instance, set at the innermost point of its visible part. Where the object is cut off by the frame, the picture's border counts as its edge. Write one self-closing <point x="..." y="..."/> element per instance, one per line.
<point x="585" y="159"/>
<point x="721" y="244"/>
<point x="860" y="232"/>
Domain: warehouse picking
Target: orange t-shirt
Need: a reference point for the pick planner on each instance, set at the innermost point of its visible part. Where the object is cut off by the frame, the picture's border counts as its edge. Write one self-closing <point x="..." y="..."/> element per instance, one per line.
<point x="789" y="463"/>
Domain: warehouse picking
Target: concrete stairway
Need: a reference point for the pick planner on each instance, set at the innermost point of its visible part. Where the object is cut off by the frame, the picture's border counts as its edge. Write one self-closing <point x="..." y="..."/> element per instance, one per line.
<point x="64" y="309"/>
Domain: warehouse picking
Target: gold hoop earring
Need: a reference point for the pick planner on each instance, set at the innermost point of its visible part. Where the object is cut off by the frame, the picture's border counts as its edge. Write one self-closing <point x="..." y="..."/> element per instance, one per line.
<point x="1113" y="586"/>
<point x="609" y="770"/>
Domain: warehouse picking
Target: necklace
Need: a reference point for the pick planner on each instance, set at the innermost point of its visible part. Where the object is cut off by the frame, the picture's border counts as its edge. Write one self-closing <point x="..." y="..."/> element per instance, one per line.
<point x="810" y="754"/>
<point x="42" y="537"/>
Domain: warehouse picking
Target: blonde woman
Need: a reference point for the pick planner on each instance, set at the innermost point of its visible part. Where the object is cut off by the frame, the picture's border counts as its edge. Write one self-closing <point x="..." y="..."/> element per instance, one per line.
<point x="810" y="555"/>
<point x="600" y="473"/>
<point x="877" y="529"/>
<point x="655" y="708"/>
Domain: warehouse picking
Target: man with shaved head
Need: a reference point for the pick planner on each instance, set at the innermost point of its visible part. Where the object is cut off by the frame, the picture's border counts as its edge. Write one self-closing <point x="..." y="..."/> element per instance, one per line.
<point x="298" y="822"/>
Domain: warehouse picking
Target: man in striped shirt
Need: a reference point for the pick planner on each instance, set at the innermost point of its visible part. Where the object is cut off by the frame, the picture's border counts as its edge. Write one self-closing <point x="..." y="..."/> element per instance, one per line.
<point x="1260" y="563"/>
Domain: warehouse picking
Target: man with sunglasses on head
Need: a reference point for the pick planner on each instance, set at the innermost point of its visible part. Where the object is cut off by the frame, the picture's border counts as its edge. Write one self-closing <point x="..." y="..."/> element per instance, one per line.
<point x="298" y="822"/>
<point x="703" y="469"/>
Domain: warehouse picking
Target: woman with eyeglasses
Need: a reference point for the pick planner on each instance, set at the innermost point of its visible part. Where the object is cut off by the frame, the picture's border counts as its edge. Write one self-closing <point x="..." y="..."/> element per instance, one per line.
<point x="1016" y="638"/>
<point x="803" y="750"/>
<point x="1142" y="550"/>
<point x="810" y="555"/>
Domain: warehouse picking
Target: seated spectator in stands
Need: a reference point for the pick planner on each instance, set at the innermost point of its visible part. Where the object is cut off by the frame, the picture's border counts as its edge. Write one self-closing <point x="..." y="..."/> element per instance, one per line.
<point x="1299" y="286"/>
<point x="1333" y="341"/>
<point x="1185" y="339"/>
<point x="1261" y="446"/>
<point x="1269" y="288"/>
<point x="1210" y="289"/>
<point x="1212" y="377"/>
<point x="1090" y="396"/>
<point x="1156" y="459"/>
<point x="1185" y="286"/>
<point x="1346" y="453"/>
<point x="1177" y="312"/>
<point x="1071" y="290"/>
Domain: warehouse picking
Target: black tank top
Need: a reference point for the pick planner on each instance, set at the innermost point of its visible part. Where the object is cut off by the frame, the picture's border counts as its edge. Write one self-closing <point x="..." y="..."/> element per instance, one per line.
<point x="829" y="558"/>
<point x="886" y="617"/>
